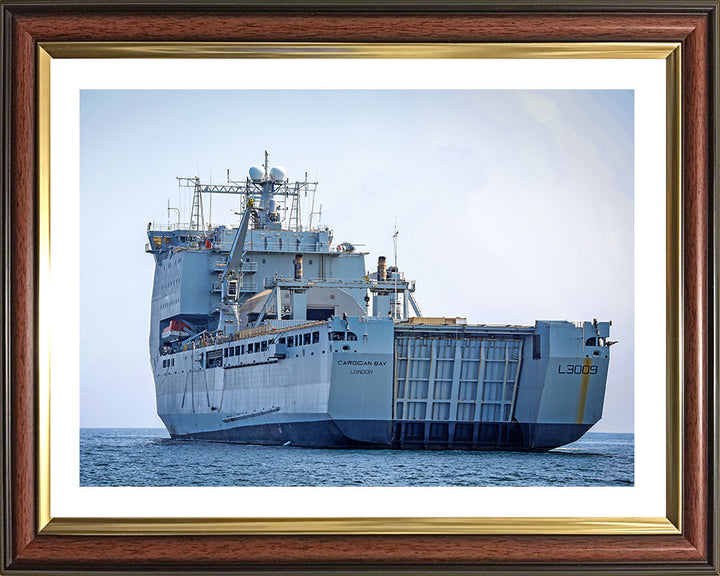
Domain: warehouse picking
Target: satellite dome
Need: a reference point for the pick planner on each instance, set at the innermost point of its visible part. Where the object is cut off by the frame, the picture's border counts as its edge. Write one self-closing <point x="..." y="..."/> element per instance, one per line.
<point x="277" y="173"/>
<point x="256" y="173"/>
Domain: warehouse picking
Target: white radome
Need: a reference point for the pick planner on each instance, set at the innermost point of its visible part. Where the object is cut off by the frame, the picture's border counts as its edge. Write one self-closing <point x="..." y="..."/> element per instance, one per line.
<point x="256" y="173"/>
<point x="277" y="173"/>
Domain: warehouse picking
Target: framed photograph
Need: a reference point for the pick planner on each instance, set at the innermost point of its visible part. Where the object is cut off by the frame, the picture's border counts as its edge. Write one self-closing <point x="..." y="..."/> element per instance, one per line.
<point x="97" y="101"/>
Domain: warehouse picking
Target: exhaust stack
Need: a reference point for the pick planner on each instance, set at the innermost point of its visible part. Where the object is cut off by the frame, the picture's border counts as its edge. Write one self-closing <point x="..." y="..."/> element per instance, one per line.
<point x="298" y="267"/>
<point x="381" y="271"/>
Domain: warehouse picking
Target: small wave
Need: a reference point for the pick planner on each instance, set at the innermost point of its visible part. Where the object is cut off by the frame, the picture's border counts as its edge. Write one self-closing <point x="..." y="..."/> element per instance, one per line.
<point x="570" y="452"/>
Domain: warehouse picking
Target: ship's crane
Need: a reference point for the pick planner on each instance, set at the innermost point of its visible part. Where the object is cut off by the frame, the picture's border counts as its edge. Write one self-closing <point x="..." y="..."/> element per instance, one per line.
<point x="233" y="270"/>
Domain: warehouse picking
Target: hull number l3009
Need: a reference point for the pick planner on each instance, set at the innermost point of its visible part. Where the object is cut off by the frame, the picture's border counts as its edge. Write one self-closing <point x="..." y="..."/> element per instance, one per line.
<point x="577" y="369"/>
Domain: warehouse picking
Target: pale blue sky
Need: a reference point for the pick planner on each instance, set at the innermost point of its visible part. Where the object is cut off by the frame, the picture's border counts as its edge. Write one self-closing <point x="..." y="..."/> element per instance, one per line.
<point x="512" y="206"/>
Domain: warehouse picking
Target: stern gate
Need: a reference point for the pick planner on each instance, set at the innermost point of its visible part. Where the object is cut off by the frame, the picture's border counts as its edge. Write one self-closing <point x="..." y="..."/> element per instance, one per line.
<point x="455" y="387"/>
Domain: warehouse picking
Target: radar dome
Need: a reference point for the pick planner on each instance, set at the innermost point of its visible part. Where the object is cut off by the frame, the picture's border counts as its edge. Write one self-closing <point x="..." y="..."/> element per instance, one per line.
<point x="277" y="173"/>
<point x="256" y="173"/>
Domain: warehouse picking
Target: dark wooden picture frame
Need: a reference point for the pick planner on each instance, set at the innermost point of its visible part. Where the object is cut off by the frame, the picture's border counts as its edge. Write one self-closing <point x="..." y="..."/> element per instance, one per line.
<point x="27" y="25"/>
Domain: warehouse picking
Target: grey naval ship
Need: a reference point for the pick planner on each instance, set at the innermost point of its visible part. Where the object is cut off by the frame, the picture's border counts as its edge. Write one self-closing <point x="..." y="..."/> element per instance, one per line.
<point x="268" y="332"/>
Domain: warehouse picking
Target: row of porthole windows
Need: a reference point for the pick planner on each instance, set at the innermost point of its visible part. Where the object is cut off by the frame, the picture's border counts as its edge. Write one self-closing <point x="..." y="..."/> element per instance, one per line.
<point x="173" y="262"/>
<point x="243" y="349"/>
<point x="300" y="339"/>
<point x="262" y="346"/>
<point x="168" y="284"/>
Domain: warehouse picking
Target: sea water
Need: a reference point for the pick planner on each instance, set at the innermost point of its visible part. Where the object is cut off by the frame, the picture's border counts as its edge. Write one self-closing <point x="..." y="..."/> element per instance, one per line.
<point x="149" y="457"/>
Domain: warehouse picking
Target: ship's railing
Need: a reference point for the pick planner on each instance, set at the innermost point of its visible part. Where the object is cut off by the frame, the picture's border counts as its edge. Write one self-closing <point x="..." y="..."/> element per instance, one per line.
<point x="277" y="245"/>
<point x="367" y="282"/>
<point x="246" y="286"/>
<point x="178" y="226"/>
<point x="220" y="263"/>
<point x="273" y="246"/>
<point x="155" y="227"/>
<point x="210" y="339"/>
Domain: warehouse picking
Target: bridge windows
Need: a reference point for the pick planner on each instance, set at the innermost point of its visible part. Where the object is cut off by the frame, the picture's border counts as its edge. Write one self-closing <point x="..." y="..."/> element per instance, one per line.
<point x="339" y="336"/>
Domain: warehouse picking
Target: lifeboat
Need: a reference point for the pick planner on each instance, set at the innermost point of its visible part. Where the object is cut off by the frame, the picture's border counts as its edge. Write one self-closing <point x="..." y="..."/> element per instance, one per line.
<point x="176" y="330"/>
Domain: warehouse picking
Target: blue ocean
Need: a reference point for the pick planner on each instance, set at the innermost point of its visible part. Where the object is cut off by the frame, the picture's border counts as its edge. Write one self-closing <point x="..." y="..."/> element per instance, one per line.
<point x="149" y="457"/>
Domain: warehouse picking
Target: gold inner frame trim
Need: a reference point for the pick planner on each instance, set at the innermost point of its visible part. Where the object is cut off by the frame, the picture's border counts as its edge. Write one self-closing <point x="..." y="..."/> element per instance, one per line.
<point x="674" y="311"/>
<point x="43" y="173"/>
<point x="355" y="525"/>
<point x="610" y="50"/>
<point x="670" y="52"/>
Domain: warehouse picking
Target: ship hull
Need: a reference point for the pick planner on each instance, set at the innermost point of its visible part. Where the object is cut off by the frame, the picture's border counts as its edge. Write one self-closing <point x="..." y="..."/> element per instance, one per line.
<point x="417" y="387"/>
<point x="331" y="433"/>
<point x="320" y="433"/>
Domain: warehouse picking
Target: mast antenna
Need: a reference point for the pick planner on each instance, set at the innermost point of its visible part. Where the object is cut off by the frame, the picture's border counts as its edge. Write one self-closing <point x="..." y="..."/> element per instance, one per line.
<point x="395" y="273"/>
<point x="178" y="214"/>
<point x="395" y="241"/>
<point x="312" y="206"/>
<point x="210" y="216"/>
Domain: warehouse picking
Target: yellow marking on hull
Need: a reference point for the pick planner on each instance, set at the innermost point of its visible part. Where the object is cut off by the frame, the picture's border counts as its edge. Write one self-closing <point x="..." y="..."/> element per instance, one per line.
<point x="584" y="383"/>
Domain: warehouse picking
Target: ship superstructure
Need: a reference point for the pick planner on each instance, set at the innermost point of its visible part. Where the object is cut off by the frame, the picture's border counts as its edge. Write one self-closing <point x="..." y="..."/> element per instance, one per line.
<point x="270" y="333"/>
